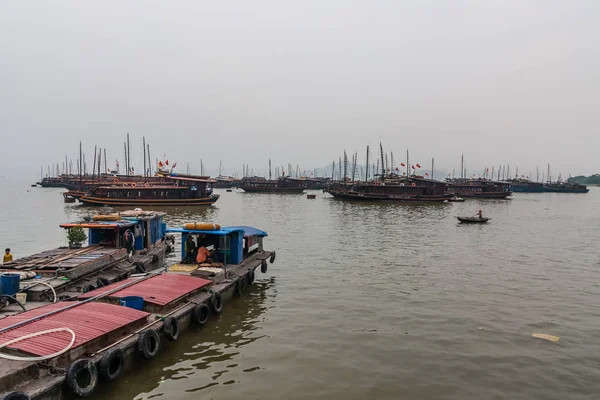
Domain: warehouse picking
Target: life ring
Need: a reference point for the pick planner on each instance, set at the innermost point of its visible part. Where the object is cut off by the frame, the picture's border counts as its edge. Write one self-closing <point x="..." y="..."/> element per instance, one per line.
<point x="240" y="286"/>
<point x="413" y="184"/>
<point x="263" y="266"/>
<point x="146" y="184"/>
<point x="148" y="344"/>
<point x="111" y="365"/>
<point x="272" y="259"/>
<point x="171" y="328"/>
<point x="200" y="314"/>
<point x="116" y="180"/>
<point x="250" y="278"/>
<point x="133" y="184"/>
<point x="216" y="303"/>
<point x="16" y="396"/>
<point x="82" y="377"/>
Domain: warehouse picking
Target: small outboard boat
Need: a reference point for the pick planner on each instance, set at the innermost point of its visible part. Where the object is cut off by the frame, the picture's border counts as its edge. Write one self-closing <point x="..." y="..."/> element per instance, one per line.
<point x="473" y="220"/>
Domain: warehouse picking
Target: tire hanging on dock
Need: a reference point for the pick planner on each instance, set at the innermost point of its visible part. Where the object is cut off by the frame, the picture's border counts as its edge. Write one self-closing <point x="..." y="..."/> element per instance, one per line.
<point x="171" y="328"/>
<point x="272" y="258"/>
<point x="216" y="303"/>
<point x="148" y="344"/>
<point x="111" y="365"/>
<point x="250" y="277"/>
<point x="240" y="286"/>
<point x="101" y="282"/>
<point x="16" y="396"/>
<point x="82" y="377"/>
<point x="263" y="266"/>
<point x="200" y="314"/>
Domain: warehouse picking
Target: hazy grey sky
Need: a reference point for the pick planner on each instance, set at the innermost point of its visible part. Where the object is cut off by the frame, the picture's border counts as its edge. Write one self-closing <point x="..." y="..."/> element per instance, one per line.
<point x="504" y="82"/>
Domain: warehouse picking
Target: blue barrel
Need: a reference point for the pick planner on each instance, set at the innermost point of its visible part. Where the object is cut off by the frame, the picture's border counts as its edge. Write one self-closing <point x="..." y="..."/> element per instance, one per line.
<point x="10" y="283"/>
<point x="135" y="302"/>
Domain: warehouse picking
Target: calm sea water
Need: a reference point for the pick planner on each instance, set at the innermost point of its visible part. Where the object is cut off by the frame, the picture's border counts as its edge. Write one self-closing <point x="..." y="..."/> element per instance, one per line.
<point x="378" y="301"/>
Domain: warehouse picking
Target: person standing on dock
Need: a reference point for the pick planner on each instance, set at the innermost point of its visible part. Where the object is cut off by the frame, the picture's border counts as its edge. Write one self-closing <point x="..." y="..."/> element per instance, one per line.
<point x="7" y="256"/>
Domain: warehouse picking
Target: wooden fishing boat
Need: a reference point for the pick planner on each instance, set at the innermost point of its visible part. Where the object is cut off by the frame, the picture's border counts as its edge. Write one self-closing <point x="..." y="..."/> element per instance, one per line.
<point x="281" y="185"/>
<point x="177" y="190"/>
<point x="406" y="190"/>
<point x="472" y="220"/>
<point x="478" y="188"/>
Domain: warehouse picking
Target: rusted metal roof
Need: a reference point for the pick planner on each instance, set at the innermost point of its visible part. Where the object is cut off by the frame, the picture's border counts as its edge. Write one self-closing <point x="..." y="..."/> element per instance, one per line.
<point x="89" y="321"/>
<point x="160" y="290"/>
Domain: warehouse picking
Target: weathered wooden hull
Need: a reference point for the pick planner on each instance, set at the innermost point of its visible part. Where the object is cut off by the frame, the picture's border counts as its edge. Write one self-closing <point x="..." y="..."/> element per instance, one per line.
<point x="346" y="195"/>
<point x="271" y="190"/>
<point x="472" y="220"/>
<point x="485" y="195"/>
<point x="101" y="201"/>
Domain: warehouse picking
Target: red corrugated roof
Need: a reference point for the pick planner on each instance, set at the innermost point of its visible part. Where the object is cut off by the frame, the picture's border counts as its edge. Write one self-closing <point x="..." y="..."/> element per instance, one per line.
<point x="160" y="290"/>
<point x="89" y="321"/>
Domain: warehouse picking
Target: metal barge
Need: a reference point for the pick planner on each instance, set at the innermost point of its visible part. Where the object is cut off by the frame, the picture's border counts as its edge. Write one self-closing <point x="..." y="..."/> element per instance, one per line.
<point x="92" y="340"/>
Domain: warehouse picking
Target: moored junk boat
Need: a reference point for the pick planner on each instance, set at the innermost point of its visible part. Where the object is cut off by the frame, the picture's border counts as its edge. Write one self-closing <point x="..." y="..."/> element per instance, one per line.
<point x="410" y="190"/>
<point x="478" y="188"/>
<point x="93" y="339"/>
<point x="176" y="190"/>
<point x="117" y="245"/>
<point x="281" y="185"/>
<point x="527" y="186"/>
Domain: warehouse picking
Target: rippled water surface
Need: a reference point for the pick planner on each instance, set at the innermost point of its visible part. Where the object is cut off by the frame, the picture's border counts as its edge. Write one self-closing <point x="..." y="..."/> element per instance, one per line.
<point x="378" y="301"/>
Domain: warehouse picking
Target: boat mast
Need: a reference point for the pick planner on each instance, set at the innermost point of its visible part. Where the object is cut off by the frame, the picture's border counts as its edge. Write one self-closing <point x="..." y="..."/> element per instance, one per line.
<point x="94" y="164"/>
<point x="105" y="166"/>
<point x="345" y="167"/>
<point x="144" y="147"/>
<point x="269" y="169"/>
<point x="333" y="171"/>
<point x="382" y="161"/>
<point x="125" y="158"/>
<point x="367" y="171"/>
<point x="128" y="155"/>
<point x="549" y="177"/>
<point x="149" y="162"/>
<point x="537" y="174"/>
<point x="432" y="165"/>
<point x="80" y="162"/>
<point x="407" y="165"/>
<point x="462" y="166"/>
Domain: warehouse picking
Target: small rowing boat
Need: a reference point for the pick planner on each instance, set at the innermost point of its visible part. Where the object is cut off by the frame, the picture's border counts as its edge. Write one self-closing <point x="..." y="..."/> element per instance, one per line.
<point x="472" y="220"/>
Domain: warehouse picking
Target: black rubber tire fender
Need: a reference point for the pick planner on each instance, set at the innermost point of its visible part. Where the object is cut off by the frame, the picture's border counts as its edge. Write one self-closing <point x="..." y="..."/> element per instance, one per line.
<point x="200" y="314"/>
<point x="240" y="286"/>
<point x="272" y="258"/>
<point x="88" y="288"/>
<point x="140" y="267"/>
<point x="216" y="303"/>
<point x="171" y="328"/>
<point x="82" y="377"/>
<point x="101" y="282"/>
<point x="148" y="344"/>
<point x="16" y="396"/>
<point x="263" y="266"/>
<point x="111" y="365"/>
<point x="250" y="277"/>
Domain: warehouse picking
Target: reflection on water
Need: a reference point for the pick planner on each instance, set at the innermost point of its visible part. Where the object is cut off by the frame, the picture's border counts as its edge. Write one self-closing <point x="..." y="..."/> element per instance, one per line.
<point x="202" y="357"/>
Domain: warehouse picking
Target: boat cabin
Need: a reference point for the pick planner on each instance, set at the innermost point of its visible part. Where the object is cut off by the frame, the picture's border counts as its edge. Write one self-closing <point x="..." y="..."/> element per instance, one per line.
<point x="108" y="230"/>
<point x="226" y="245"/>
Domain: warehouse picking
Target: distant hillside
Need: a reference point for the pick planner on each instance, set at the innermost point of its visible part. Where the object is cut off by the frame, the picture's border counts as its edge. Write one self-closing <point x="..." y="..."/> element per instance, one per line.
<point x="586" y="180"/>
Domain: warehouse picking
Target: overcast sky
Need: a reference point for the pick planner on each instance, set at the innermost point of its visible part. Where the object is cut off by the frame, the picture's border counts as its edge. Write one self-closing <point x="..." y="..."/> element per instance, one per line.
<point x="504" y="82"/>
